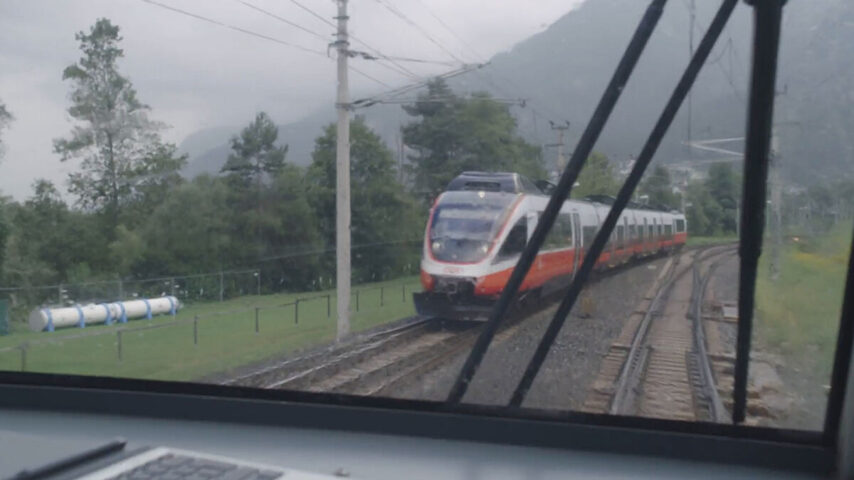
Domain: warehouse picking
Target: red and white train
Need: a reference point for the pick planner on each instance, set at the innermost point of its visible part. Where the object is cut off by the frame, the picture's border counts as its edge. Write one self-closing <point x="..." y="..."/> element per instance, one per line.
<point x="479" y="226"/>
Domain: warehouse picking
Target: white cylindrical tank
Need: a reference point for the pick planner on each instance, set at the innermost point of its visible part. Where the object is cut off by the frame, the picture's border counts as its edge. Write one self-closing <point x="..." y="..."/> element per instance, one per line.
<point x="81" y="315"/>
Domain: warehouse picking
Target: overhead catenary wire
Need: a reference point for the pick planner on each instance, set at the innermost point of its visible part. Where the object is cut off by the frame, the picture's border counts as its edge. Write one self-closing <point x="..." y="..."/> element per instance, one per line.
<point x="236" y="28"/>
<point x="283" y="20"/>
<point x="477" y="55"/>
<point x="368" y="101"/>
<point x="484" y="75"/>
<point x="394" y="10"/>
<point x="400" y="68"/>
<point x="257" y="35"/>
<point x="317" y="35"/>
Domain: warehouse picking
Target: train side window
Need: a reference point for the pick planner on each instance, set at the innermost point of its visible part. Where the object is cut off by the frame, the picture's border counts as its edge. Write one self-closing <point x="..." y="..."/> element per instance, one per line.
<point x="560" y="235"/>
<point x="680" y="226"/>
<point x="621" y="235"/>
<point x="668" y="230"/>
<point x="516" y="240"/>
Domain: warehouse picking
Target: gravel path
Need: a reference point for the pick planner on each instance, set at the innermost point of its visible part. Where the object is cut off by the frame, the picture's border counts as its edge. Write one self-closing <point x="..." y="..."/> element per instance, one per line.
<point x="574" y="359"/>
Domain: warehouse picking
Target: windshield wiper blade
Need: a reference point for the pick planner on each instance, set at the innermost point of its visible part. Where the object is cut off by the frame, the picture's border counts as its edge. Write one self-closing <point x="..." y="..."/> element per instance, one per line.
<point x="623" y="197"/>
<point x="561" y="193"/>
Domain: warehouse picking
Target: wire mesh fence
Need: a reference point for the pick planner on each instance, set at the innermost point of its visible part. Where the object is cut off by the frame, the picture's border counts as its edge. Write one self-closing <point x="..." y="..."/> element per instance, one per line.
<point x="278" y="274"/>
<point x="207" y="338"/>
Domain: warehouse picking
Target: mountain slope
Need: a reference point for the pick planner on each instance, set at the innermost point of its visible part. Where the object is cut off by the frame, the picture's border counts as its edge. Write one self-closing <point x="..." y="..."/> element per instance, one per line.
<point x="562" y="72"/>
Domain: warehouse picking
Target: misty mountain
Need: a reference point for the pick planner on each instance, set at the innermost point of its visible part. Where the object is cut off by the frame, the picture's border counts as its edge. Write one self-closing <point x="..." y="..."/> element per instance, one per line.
<point x="562" y="71"/>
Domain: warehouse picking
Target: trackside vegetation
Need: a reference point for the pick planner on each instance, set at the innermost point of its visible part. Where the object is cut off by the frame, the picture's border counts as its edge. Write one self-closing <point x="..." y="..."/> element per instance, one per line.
<point x="204" y="338"/>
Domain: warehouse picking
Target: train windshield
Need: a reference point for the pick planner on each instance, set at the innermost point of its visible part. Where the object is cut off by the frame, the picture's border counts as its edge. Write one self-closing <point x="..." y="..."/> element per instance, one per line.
<point x="465" y="223"/>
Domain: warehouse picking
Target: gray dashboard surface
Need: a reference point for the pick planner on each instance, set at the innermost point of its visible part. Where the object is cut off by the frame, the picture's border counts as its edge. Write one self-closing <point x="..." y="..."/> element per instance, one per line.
<point x="364" y="456"/>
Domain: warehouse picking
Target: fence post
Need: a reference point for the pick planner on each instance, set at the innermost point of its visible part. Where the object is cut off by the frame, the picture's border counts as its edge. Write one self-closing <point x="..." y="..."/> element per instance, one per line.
<point x="382" y="296"/>
<point x="121" y="290"/>
<point x="196" y="330"/>
<point x="257" y="309"/>
<point x="119" y="342"/>
<point x="172" y="286"/>
<point x="221" y="285"/>
<point x="328" y="305"/>
<point x="403" y="293"/>
<point x="357" y="300"/>
<point x="258" y="281"/>
<point x="296" y="311"/>
<point x="24" y="357"/>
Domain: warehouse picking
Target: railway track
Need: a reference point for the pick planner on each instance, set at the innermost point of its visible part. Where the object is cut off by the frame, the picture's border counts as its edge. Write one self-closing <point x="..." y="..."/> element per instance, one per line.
<point x="659" y="366"/>
<point x="385" y="362"/>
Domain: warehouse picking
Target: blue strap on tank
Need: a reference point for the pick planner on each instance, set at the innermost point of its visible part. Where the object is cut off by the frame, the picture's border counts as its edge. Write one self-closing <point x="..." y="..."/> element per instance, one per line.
<point x="172" y="309"/>
<point x="123" y="318"/>
<point x="108" y="320"/>
<point x="147" y="309"/>
<point x="81" y="320"/>
<point x="49" y="319"/>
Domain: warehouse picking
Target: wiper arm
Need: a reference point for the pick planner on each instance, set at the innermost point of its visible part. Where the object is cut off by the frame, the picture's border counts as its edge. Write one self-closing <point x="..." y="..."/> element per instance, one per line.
<point x="561" y="193"/>
<point x="623" y="197"/>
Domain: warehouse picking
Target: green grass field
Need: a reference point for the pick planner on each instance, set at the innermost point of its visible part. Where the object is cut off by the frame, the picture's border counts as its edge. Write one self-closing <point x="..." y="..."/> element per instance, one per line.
<point x="704" y="241"/>
<point x="798" y="315"/>
<point x="226" y="335"/>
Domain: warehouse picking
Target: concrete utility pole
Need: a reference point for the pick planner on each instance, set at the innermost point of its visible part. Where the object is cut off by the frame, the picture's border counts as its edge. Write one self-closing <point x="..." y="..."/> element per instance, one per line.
<point x="561" y="129"/>
<point x="692" y="16"/>
<point x="342" y="178"/>
<point x="776" y="204"/>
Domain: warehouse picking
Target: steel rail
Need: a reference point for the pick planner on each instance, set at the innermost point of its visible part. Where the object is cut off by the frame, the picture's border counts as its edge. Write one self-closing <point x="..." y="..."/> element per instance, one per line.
<point x="623" y="197"/>
<point x="634" y="358"/>
<point x="561" y="193"/>
<point x="710" y="390"/>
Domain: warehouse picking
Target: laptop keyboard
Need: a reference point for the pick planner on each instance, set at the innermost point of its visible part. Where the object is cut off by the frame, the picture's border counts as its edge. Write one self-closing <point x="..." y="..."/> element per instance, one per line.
<point x="179" y="467"/>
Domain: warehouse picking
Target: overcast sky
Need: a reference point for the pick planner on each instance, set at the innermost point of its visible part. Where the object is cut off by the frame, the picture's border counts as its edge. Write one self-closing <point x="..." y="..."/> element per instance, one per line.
<point x="195" y="75"/>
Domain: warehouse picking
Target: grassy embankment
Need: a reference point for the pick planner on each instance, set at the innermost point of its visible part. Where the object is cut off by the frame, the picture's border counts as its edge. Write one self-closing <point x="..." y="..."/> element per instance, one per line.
<point x="704" y="241"/>
<point x="226" y="335"/>
<point x="798" y="315"/>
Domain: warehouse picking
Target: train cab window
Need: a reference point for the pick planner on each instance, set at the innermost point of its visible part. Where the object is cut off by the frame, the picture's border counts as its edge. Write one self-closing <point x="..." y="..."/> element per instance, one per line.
<point x="226" y="228"/>
<point x="515" y="241"/>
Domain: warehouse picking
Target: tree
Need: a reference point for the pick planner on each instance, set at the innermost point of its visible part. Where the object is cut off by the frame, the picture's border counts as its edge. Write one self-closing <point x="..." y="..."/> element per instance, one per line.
<point x="48" y="241"/>
<point x="658" y="188"/>
<point x="254" y="163"/>
<point x="723" y="186"/>
<point x="189" y="232"/>
<point x="5" y="119"/>
<point x="5" y="228"/>
<point x="454" y="134"/>
<point x="596" y="178"/>
<point x="289" y="234"/>
<point x="255" y="153"/>
<point x="702" y="211"/>
<point x="119" y="147"/>
<point x="385" y="219"/>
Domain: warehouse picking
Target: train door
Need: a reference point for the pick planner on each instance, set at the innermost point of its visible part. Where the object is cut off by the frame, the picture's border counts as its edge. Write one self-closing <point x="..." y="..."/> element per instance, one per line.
<point x="655" y="235"/>
<point x="645" y="235"/>
<point x="576" y="242"/>
<point x="627" y="239"/>
<point x="533" y="218"/>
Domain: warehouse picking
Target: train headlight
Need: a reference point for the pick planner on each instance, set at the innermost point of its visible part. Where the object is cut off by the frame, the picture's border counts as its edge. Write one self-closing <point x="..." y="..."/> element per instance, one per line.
<point x="437" y="245"/>
<point x="484" y="248"/>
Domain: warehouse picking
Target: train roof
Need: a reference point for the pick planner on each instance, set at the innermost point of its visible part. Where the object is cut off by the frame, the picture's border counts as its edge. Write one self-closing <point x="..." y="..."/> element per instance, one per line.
<point x="511" y="182"/>
<point x="508" y="182"/>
